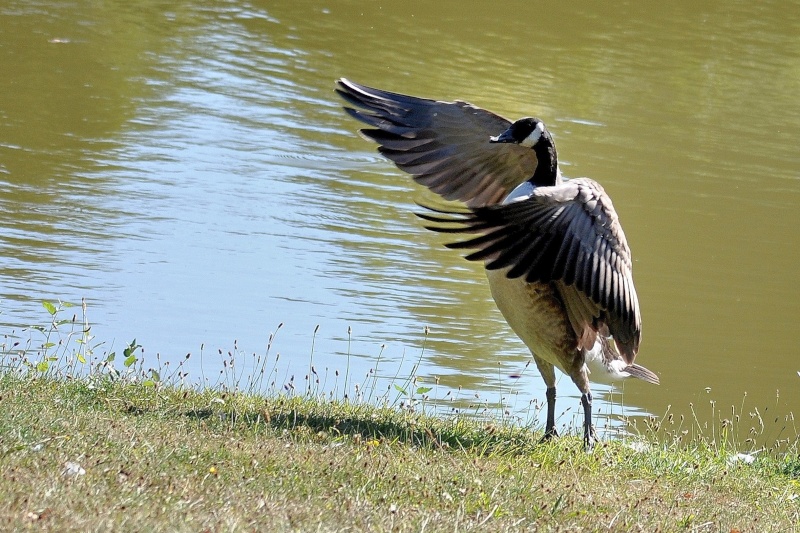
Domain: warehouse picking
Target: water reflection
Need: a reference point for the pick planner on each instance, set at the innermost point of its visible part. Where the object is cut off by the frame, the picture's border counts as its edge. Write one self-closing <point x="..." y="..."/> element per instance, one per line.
<point x="191" y="173"/>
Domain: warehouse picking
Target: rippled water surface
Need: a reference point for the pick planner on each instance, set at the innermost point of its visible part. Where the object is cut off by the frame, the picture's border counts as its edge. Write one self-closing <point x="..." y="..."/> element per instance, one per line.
<point x="189" y="172"/>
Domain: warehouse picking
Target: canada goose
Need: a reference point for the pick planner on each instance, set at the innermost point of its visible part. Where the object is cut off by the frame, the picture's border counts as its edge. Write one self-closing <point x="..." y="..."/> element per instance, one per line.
<point x="558" y="264"/>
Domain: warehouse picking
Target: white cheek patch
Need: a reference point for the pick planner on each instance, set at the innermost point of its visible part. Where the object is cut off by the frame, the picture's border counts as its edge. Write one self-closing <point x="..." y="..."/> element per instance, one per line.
<point x="533" y="138"/>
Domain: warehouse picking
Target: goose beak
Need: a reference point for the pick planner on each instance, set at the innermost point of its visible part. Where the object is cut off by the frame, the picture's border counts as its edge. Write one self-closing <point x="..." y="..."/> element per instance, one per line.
<point x="505" y="137"/>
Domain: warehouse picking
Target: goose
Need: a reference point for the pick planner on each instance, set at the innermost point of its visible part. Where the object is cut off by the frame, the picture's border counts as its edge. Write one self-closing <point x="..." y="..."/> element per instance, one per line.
<point x="556" y="258"/>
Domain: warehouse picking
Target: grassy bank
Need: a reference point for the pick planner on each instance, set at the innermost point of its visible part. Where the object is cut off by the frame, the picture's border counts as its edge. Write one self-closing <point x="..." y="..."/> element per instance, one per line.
<point x="128" y="447"/>
<point x="103" y="454"/>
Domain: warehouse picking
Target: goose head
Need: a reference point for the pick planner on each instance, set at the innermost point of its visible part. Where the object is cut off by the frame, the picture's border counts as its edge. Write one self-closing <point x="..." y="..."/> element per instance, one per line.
<point x="530" y="132"/>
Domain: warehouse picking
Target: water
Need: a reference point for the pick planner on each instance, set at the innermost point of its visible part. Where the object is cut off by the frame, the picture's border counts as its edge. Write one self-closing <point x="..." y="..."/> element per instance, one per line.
<point x="191" y="174"/>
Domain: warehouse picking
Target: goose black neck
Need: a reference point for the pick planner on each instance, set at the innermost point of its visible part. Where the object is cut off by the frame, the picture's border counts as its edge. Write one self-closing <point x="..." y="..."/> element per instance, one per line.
<point x="546" y="173"/>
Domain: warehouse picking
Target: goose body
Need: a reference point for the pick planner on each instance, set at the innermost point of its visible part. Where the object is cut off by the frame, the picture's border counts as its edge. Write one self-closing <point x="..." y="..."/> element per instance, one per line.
<point x="556" y="258"/>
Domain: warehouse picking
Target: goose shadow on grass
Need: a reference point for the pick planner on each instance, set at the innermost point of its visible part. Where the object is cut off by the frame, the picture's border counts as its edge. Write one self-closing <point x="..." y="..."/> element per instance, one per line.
<point x="382" y="424"/>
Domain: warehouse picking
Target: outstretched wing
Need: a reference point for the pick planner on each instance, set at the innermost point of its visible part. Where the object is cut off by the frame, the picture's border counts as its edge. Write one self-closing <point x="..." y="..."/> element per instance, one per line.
<point x="567" y="234"/>
<point x="443" y="145"/>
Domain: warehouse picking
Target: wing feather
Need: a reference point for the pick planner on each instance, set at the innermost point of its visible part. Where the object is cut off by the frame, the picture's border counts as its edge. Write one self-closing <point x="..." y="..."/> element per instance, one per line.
<point x="443" y="145"/>
<point x="567" y="234"/>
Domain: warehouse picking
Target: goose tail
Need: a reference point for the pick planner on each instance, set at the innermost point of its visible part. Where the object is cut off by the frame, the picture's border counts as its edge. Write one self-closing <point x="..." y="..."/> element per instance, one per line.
<point x="638" y="371"/>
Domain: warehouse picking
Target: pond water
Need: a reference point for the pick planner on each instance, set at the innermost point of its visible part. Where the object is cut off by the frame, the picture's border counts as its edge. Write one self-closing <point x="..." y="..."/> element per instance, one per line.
<point x="189" y="172"/>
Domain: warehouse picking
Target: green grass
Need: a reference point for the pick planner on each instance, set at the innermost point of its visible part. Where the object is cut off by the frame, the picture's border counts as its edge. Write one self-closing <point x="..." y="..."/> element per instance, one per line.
<point x="182" y="460"/>
<point x="108" y="444"/>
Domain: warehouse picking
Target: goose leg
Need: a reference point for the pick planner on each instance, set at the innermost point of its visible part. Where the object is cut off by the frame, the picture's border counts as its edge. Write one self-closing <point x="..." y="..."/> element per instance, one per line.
<point x="581" y="379"/>
<point x="588" y="429"/>
<point x="549" y="376"/>
<point x="550" y="428"/>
